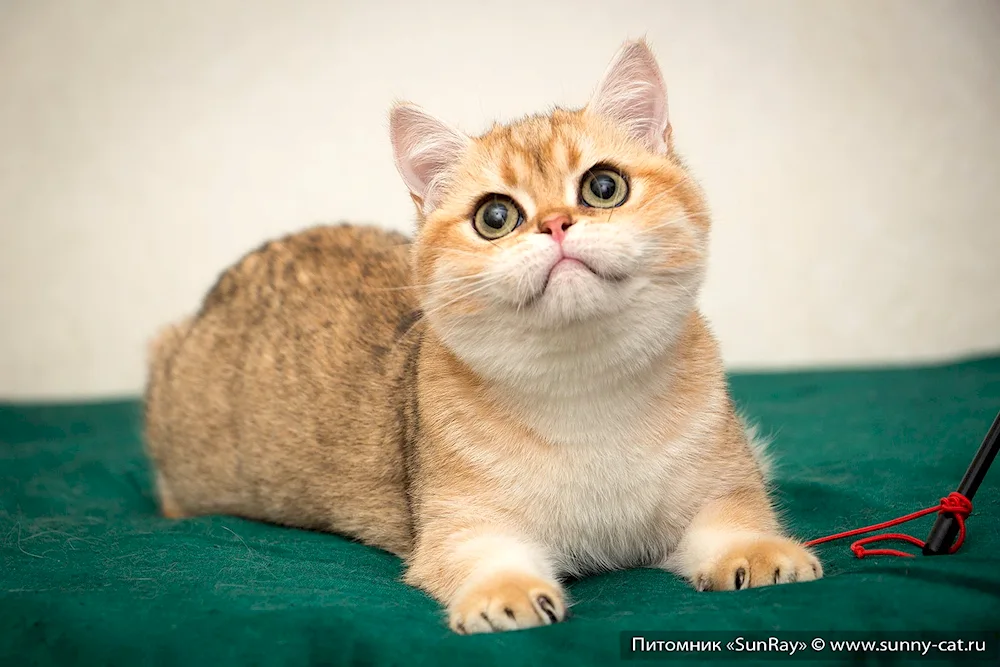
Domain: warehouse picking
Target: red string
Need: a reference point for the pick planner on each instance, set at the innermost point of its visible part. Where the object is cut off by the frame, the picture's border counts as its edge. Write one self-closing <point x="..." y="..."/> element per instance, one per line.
<point x="955" y="504"/>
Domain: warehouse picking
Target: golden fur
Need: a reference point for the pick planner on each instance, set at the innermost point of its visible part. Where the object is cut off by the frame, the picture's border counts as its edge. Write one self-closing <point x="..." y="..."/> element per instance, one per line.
<point x="493" y="414"/>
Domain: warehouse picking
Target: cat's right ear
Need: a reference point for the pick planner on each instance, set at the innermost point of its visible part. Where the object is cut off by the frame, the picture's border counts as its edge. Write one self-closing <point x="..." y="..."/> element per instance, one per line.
<point x="425" y="149"/>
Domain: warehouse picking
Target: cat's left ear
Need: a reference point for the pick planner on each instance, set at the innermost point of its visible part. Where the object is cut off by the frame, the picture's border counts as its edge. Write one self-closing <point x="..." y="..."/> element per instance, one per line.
<point x="426" y="149"/>
<point x="632" y="94"/>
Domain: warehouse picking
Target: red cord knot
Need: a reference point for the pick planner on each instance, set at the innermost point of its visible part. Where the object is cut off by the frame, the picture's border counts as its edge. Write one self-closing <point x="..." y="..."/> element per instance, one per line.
<point x="957" y="504"/>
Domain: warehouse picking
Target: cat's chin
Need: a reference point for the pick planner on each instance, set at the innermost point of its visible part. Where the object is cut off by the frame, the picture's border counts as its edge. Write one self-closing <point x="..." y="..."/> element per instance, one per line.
<point x="574" y="292"/>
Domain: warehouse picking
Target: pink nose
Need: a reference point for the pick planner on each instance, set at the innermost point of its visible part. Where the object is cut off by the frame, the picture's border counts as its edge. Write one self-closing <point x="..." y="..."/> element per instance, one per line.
<point x="556" y="225"/>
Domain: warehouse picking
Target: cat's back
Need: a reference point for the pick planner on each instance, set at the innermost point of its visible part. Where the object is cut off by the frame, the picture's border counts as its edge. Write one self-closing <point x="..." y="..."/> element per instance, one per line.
<point x="285" y="381"/>
<point x="336" y="265"/>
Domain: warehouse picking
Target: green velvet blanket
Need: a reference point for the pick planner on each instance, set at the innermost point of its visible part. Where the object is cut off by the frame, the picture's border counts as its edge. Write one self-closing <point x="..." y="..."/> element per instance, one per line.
<point x="91" y="575"/>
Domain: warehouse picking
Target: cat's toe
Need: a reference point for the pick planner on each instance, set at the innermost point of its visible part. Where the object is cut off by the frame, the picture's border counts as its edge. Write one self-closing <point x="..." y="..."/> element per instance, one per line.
<point x="510" y="601"/>
<point x="762" y="561"/>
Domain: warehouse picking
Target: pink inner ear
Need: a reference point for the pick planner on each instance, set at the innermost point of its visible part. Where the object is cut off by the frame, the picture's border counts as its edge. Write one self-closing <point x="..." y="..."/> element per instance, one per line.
<point x="632" y="94"/>
<point x="425" y="149"/>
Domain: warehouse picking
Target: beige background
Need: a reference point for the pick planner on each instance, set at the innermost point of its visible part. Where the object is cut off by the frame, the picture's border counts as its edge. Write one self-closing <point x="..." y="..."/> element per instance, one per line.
<point x="850" y="150"/>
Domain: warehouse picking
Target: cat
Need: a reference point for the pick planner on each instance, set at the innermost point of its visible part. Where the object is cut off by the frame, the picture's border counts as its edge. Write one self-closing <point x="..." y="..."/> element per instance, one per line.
<point x="525" y="392"/>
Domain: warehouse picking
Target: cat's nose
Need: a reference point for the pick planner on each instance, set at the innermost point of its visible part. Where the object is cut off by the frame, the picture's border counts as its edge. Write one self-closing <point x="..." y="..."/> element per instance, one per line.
<point x="556" y="225"/>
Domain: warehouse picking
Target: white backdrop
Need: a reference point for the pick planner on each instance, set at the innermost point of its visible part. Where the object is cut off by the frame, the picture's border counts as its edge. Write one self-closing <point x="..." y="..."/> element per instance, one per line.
<point x="850" y="149"/>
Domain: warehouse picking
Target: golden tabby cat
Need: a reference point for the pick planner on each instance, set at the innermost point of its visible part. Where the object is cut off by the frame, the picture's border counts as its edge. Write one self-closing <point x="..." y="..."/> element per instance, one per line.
<point x="524" y="392"/>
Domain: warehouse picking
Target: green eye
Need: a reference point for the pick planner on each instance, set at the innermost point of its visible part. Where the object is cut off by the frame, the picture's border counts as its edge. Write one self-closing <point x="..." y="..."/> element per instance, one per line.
<point x="603" y="188"/>
<point x="497" y="216"/>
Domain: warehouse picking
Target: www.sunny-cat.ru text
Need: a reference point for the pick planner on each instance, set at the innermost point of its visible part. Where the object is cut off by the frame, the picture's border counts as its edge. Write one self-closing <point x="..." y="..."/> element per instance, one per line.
<point x="696" y="645"/>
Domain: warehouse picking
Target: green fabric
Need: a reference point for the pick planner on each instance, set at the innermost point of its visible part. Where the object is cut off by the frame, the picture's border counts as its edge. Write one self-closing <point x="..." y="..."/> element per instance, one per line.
<point x="91" y="575"/>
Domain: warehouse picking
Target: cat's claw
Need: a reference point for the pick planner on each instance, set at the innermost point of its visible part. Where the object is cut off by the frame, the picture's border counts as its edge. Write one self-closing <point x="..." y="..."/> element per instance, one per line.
<point x="509" y="601"/>
<point x="763" y="561"/>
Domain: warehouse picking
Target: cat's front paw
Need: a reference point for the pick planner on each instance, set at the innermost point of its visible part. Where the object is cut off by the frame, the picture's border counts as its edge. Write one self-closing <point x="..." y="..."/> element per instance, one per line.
<point x="507" y="601"/>
<point x="760" y="561"/>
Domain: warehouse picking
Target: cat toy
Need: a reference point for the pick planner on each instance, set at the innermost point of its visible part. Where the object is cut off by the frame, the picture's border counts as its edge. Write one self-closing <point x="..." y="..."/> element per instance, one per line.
<point x="948" y="532"/>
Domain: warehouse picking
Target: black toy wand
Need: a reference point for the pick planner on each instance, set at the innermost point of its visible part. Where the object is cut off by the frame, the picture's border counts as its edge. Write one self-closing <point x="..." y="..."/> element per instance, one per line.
<point x="945" y="529"/>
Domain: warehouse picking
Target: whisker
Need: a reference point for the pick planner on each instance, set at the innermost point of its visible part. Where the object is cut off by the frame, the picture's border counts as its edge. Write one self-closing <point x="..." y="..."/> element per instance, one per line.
<point x="666" y="246"/>
<point x="672" y="221"/>
<point x="487" y="285"/>
<point x="454" y="251"/>
<point x="683" y="181"/>
<point x="436" y="283"/>
<point x="417" y="324"/>
<point x="685" y="288"/>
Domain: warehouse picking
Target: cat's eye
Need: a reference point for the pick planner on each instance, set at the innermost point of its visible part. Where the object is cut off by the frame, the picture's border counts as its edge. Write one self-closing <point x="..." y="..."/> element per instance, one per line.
<point x="602" y="187"/>
<point x="497" y="216"/>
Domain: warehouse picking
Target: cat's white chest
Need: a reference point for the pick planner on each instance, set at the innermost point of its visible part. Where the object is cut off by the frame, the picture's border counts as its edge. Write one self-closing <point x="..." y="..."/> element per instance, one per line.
<point x="607" y="495"/>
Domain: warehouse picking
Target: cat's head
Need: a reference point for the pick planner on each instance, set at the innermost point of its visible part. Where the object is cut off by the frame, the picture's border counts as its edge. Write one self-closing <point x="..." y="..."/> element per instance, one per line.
<point x="566" y="229"/>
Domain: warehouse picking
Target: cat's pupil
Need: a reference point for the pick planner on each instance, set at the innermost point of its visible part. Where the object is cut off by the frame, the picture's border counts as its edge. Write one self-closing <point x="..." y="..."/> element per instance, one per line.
<point x="495" y="215"/>
<point x="603" y="186"/>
